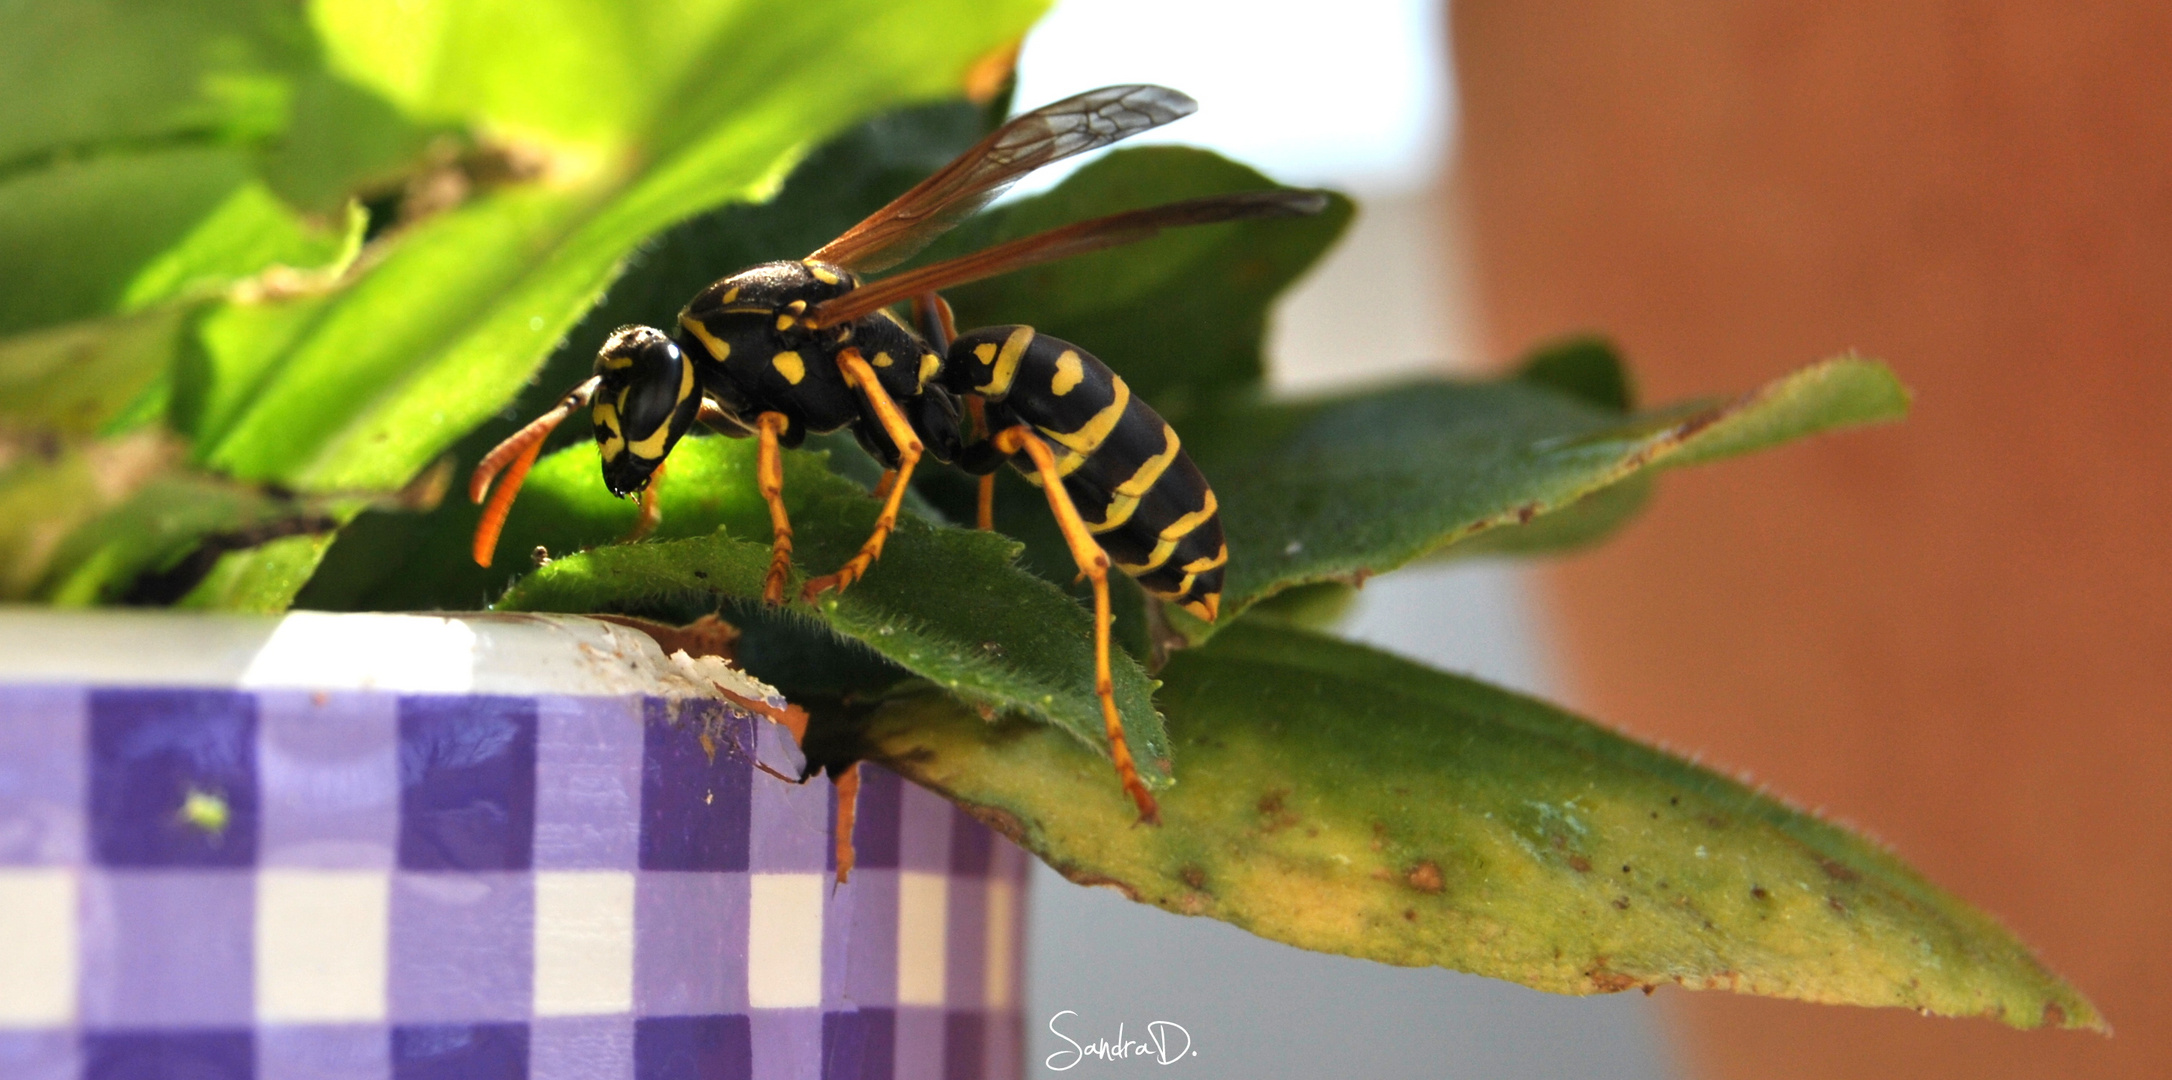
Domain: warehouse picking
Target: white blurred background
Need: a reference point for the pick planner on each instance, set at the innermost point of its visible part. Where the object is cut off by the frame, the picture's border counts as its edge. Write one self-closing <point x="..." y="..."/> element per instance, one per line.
<point x="1355" y="95"/>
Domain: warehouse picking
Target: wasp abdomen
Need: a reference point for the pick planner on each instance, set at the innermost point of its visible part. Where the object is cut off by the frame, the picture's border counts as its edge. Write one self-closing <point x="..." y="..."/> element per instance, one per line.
<point x="1125" y="468"/>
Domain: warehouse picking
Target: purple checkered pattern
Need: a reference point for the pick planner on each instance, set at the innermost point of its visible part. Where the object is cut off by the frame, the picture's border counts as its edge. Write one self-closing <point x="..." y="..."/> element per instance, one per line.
<point x="285" y="884"/>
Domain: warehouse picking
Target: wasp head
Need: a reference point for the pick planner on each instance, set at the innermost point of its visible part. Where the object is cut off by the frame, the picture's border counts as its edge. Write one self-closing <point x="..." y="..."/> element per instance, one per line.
<point x="648" y="397"/>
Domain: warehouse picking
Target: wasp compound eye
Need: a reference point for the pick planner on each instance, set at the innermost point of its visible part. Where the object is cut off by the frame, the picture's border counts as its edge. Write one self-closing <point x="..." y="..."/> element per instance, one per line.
<point x="647" y="399"/>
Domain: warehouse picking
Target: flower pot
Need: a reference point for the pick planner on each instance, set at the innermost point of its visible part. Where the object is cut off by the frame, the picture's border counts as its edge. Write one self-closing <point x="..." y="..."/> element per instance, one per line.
<point x="333" y="846"/>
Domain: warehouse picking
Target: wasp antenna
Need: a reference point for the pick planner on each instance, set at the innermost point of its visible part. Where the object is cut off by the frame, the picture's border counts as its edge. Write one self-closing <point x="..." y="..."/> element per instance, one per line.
<point x="514" y="457"/>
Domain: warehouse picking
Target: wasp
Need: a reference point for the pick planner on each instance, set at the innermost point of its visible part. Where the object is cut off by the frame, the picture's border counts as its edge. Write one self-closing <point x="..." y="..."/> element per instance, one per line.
<point x="786" y="349"/>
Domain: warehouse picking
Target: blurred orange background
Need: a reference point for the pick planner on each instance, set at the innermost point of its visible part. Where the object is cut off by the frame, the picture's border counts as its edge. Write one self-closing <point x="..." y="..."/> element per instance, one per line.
<point x="1955" y="632"/>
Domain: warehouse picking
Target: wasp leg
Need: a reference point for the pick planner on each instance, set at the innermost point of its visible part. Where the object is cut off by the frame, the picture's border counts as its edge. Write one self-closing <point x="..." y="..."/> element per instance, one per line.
<point x="933" y="318"/>
<point x="769" y="475"/>
<point x="882" y="486"/>
<point x="514" y="457"/>
<point x="984" y="510"/>
<point x="858" y="374"/>
<point x="848" y="809"/>
<point x="1094" y="564"/>
<point x="652" y="508"/>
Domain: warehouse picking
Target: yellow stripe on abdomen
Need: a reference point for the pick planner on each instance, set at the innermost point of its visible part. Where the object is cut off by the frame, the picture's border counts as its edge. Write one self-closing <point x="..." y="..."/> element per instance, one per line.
<point x="1125" y="499"/>
<point x="1082" y="443"/>
<point x="1170" y="537"/>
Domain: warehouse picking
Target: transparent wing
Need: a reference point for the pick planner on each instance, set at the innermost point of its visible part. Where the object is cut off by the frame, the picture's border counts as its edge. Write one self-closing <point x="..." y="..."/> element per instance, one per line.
<point x="1062" y="243"/>
<point x="1048" y="134"/>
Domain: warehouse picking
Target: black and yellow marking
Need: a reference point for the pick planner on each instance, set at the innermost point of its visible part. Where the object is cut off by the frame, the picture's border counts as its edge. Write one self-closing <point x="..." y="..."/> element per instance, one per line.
<point x="786" y="349"/>
<point x="1123" y="466"/>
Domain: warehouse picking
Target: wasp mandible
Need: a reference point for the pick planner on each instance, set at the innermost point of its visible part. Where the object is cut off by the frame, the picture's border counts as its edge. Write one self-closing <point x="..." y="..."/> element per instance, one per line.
<point x="785" y="349"/>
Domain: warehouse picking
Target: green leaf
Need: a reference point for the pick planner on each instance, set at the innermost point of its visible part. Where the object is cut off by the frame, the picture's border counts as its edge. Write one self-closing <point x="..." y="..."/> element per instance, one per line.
<point x="458" y="313"/>
<point x="1340" y="799"/>
<point x="91" y="72"/>
<point x="948" y="605"/>
<point x="71" y="381"/>
<point x="99" y="520"/>
<point x="1343" y="489"/>
<point x="1571" y="528"/>
<point x="117" y="233"/>
<point x="1833" y="394"/>
<point x="129" y="170"/>
<point x="1180" y="316"/>
<point x="261" y="579"/>
<point x="1585" y="367"/>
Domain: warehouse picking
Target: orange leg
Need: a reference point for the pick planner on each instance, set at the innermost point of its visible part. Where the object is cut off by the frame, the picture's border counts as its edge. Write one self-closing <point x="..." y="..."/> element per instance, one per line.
<point x="882" y="486"/>
<point x="769" y="475"/>
<point x="984" y="513"/>
<point x="848" y="809"/>
<point x="1094" y="564"/>
<point x="858" y="374"/>
<point x="514" y="457"/>
<point x="945" y="322"/>
<point x="652" y="508"/>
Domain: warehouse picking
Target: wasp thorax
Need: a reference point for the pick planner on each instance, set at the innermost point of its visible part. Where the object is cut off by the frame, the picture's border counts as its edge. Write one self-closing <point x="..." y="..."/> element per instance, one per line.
<point x="646" y="400"/>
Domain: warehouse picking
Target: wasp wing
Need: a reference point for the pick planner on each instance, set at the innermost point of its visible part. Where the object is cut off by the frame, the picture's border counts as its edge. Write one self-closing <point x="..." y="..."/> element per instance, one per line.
<point x="1048" y="134"/>
<point x="1062" y="243"/>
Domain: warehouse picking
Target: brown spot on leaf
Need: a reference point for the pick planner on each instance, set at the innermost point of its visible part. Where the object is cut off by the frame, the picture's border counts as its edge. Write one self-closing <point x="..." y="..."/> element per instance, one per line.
<point x="2054" y="1016"/>
<point x="1001" y="820"/>
<point x="1271" y="807"/>
<point x="1194" y="876"/>
<point x="1625" y="868"/>
<point x="1611" y="982"/>
<point x="1094" y="880"/>
<point x="1526" y="512"/>
<point x="1410" y="915"/>
<point x="1758" y="892"/>
<point x="1834" y="903"/>
<point x="1580" y="864"/>
<point x="1426" y="877"/>
<point x="1622" y="903"/>
<point x="1380" y="873"/>
<point x="1838" y="871"/>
